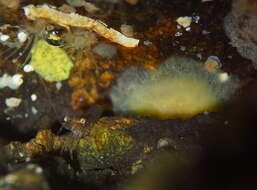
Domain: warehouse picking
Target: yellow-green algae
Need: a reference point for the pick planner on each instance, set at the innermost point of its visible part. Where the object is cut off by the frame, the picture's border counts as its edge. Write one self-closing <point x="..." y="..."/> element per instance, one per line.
<point x="50" y="62"/>
<point x="102" y="144"/>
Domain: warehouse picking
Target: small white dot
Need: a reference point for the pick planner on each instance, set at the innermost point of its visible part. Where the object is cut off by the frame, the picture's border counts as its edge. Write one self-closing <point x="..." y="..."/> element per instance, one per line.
<point x="58" y="85"/>
<point x="38" y="170"/>
<point x="27" y="159"/>
<point x="188" y="29"/>
<point x="223" y="77"/>
<point x="14" y="60"/>
<point x="28" y="68"/>
<point x="22" y="36"/>
<point x="34" y="110"/>
<point x="21" y="154"/>
<point x="4" y="37"/>
<point x="33" y="97"/>
<point x="17" y="79"/>
<point x="179" y="34"/>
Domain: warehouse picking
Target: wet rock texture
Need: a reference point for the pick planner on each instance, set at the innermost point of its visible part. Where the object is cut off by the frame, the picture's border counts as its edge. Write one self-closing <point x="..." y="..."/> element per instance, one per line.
<point x="96" y="148"/>
<point x="114" y="147"/>
<point x="241" y="27"/>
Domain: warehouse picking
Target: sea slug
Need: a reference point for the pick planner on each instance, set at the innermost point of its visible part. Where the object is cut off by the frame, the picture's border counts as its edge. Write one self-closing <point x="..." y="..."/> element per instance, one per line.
<point x="179" y="88"/>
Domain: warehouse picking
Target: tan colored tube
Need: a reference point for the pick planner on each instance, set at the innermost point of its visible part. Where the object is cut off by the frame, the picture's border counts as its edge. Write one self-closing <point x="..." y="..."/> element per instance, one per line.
<point x="76" y="20"/>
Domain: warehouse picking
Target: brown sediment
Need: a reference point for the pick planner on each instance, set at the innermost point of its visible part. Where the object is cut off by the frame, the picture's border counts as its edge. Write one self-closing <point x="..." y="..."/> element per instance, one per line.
<point x="11" y="4"/>
<point x="93" y="75"/>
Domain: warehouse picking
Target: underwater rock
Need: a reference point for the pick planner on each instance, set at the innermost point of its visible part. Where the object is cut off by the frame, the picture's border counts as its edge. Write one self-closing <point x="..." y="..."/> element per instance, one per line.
<point x="184" y="21"/>
<point x="240" y="26"/>
<point x="105" y="50"/>
<point x="127" y="30"/>
<point x="132" y="2"/>
<point x="28" y="177"/>
<point x="106" y="143"/>
<point x="11" y="4"/>
<point x="76" y="3"/>
<point x="89" y="7"/>
<point x="115" y="147"/>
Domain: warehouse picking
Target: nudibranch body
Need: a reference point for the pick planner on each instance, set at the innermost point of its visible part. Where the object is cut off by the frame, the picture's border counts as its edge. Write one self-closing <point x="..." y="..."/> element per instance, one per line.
<point x="179" y="88"/>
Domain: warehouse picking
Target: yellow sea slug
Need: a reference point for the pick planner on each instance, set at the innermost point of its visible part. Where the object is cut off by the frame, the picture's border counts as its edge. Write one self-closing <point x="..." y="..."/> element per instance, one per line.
<point x="179" y="88"/>
<point x="50" y="62"/>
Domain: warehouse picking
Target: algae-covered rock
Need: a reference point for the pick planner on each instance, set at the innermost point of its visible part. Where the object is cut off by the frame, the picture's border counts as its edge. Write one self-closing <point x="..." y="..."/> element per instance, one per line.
<point x="29" y="177"/>
<point x="104" y="145"/>
<point x="50" y="62"/>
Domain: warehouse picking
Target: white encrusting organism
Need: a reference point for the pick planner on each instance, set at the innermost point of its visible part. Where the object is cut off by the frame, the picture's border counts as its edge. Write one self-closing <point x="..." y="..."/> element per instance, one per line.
<point x="4" y="37"/>
<point x="13" y="102"/>
<point x="179" y="88"/>
<point x="184" y="21"/>
<point x="13" y="82"/>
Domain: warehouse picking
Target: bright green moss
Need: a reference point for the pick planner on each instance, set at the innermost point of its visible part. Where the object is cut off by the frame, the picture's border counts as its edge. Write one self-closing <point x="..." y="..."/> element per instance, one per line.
<point x="50" y="62"/>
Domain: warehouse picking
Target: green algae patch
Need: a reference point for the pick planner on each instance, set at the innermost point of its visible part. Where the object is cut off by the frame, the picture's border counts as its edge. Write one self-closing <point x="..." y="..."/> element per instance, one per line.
<point x="102" y="146"/>
<point x="50" y="62"/>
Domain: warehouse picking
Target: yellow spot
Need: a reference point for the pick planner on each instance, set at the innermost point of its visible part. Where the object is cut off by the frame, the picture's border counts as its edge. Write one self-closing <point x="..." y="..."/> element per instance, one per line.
<point x="50" y="62"/>
<point x="54" y="37"/>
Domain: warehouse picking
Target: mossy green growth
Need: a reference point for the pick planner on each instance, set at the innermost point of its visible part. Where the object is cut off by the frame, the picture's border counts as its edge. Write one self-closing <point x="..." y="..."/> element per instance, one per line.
<point x="103" y="145"/>
<point x="50" y="62"/>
